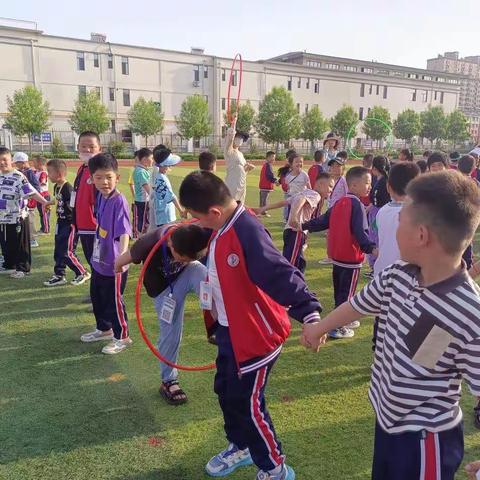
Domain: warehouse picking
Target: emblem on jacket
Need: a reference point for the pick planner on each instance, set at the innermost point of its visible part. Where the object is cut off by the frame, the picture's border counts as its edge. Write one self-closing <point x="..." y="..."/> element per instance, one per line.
<point x="233" y="260"/>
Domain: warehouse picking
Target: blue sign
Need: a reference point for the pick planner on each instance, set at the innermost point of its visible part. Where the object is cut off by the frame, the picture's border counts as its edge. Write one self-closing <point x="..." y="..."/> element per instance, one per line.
<point x="45" y="137"/>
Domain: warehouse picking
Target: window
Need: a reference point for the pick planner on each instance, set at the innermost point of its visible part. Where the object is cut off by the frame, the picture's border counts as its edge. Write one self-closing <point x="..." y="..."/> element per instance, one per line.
<point x="378" y="89"/>
<point x="366" y="70"/>
<point x="306" y="108"/>
<point x="298" y="107"/>
<point x="112" y="94"/>
<point x="289" y="83"/>
<point x="385" y="91"/>
<point x="425" y="96"/>
<point x="441" y="97"/>
<point x="80" y="61"/>
<point x="299" y="83"/>
<point x="82" y="90"/>
<point x="98" y="91"/>
<point x="205" y="71"/>
<point x="206" y="98"/>
<point x="96" y="60"/>
<point x="307" y="84"/>
<point x="426" y="77"/>
<point x="350" y="68"/>
<point x="234" y="79"/>
<point x="223" y="74"/>
<point x="126" y="98"/>
<point x="125" y="70"/>
<point x="435" y="95"/>
<point x="110" y="60"/>
<point x="223" y="103"/>
<point x="362" y="89"/>
<point x="360" y="113"/>
<point x="113" y="126"/>
<point x="370" y="89"/>
<point x="414" y="96"/>
<point x="332" y="66"/>
<point x="196" y="73"/>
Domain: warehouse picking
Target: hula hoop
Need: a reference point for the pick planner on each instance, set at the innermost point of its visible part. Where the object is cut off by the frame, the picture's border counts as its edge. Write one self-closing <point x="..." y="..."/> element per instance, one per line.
<point x="232" y="70"/>
<point x="138" y="295"/>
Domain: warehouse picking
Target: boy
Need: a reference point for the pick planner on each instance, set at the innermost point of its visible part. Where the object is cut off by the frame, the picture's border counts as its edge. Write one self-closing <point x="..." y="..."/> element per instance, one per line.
<point x="62" y="191"/>
<point x="172" y="273"/>
<point x="340" y="189"/>
<point x="428" y="334"/>
<point x="437" y="162"/>
<point x="207" y="161"/>
<point x="142" y="190"/>
<point x="248" y="287"/>
<point x="347" y="240"/>
<point x="15" y="190"/>
<point x="317" y="167"/>
<point x="267" y="179"/>
<point x="110" y="241"/>
<point x="40" y="164"/>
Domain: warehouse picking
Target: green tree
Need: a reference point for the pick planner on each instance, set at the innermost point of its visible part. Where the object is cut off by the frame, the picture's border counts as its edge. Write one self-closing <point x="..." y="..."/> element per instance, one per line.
<point x="246" y="116"/>
<point x="145" y="118"/>
<point x="457" y="127"/>
<point x="278" y="120"/>
<point x="27" y="113"/>
<point x="314" y="125"/>
<point x="406" y="125"/>
<point x="344" y="122"/>
<point x="194" y="120"/>
<point x="89" y="113"/>
<point x="433" y="123"/>
<point x="377" y="124"/>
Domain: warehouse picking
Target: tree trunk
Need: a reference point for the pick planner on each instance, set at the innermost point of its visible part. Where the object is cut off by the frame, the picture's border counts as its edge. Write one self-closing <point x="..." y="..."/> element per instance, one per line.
<point x="146" y="141"/>
<point x="30" y="144"/>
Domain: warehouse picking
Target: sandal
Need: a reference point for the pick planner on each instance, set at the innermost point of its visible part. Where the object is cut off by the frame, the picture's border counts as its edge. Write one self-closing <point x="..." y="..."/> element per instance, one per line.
<point x="476" y="415"/>
<point x="177" y="397"/>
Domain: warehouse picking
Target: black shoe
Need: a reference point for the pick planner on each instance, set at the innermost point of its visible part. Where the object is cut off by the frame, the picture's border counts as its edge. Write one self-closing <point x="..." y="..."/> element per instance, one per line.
<point x="55" y="281"/>
<point x="212" y="339"/>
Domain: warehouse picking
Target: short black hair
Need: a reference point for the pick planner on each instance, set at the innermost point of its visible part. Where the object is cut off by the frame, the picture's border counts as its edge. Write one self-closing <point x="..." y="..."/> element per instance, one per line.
<point x="160" y="146"/>
<point x="142" y="153"/>
<point x="4" y="150"/>
<point x="161" y="154"/>
<point x="427" y="153"/>
<point x="356" y="173"/>
<point x="437" y="157"/>
<point x="270" y="153"/>
<point x="448" y="203"/>
<point x="422" y="165"/>
<point x="319" y="155"/>
<point x="201" y="191"/>
<point x="466" y="164"/>
<point x="323" y="176"/>
<point x="407" y="153"/>
<point x="382" y="164"/>
<point x="89" y="133"/>
<point x="206" y="161"/>
<point x="401" y="175"/>
<point x="190" y="240"/>
<point x="57" y="165"/>
<point x="290" y="153"/>
<point x="367" y="160"/>
<point x="102" y="161"/>
<point x="343" y="154"/>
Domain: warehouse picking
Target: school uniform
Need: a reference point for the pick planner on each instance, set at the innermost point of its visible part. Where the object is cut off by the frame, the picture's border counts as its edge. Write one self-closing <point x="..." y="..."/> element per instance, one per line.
<point x="141" y="177"/>
<point x="43" y="210"/>
<point x="313" y="173"/>
<point x="266" y="183"/>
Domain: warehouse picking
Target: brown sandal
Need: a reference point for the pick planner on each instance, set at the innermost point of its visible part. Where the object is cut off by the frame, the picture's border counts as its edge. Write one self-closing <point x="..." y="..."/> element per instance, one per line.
<point x="177" y="397"/>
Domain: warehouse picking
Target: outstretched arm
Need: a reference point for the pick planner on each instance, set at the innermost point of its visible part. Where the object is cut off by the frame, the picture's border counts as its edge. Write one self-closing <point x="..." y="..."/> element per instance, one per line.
<point x="272" y="206"/>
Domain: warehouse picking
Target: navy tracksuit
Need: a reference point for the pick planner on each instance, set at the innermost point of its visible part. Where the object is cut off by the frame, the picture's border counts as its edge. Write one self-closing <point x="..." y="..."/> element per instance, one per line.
<point x="63" y="255"/>
<point x="293" y="243"/>
<point x="140" y="217"/>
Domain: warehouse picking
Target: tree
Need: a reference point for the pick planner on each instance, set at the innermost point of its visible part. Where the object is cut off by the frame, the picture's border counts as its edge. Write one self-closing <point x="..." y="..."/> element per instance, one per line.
<point x="377" y="124"/>
<point x="89" y="113"/>
<point x="314" y="125"/>
<point x="28" y="113"/>
<point x="433" y="123"/>
<point x="406" y="125"/>
<point x="246" y="116"/>
<point x="457" y="127"/>
<point x="278" y="120"/>
<point x="145" y="118"/>
<point x="344" y="122"/>
<point x="194" y="120"/>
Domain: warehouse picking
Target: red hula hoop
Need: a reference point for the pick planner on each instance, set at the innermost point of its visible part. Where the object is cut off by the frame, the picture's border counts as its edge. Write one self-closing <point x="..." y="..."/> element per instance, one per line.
<point x="232" y="70"/>
<point x="138" y="295"/>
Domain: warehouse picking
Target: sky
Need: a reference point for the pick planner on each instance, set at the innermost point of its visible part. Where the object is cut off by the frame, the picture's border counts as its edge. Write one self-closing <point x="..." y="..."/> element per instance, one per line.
<point x="402" y="32"/>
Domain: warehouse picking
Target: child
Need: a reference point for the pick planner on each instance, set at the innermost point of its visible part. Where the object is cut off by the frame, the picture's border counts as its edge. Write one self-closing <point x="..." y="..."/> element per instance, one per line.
<point x="437" y="162"/>
<point x="422" y="165"/>
<point x="15" y="190"/>
<point x="330" y="145"/>
<point x="207" y="161"/>
<point x="143" y="190"/>
<point x="297" y="179"/>
<point x="347" y="241"/>
<point x="340" y="188"/>
<point x="40" y="164"/>
<point x="267" y="180"/>
<point x="405" y="155"/>
<point x="453" y="159"/>
<point x="164" y="200"/>
<point x="325" y="186"/>
<point x="111" y="240"/>
<point x="367" y="162"/>
<point x="282" y="174"/>
<point x="343" y="155"/>
<point x="249" y="285"/>
<point x="428" y="334"/>
<point x="131" y="183"/>
<point x="63" y="256"/>
<point x="317" y="167"/>
<point x="172" y="273"/>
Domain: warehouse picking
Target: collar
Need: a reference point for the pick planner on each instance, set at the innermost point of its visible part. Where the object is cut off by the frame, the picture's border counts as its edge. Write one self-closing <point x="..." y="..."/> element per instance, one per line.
<point x="228" y="224"/>
<point x="445" y="286"/>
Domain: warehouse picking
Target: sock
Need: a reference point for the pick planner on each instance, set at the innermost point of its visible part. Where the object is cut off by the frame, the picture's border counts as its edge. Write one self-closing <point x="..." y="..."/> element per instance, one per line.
<point x="278" y="469"/>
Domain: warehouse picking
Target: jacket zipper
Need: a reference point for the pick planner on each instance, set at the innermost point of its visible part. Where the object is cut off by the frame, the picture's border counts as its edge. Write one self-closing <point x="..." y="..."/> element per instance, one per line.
<point x="262" y="316"/>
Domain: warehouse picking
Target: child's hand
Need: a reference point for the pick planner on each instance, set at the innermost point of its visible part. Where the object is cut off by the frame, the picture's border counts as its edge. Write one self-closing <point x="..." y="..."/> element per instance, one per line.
<point x="312" y="336"/>
<point x="472" y="469"/>
<point x="258" y="211"/>
<point x="295" y="225"/>
<point x="118" y="265"/>
<point x="184" y="214"/>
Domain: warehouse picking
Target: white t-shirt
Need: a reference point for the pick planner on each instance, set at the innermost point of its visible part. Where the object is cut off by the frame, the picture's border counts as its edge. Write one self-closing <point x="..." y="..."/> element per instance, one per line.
<point x="312" y="198"/>
<point x="236" y="178"/>
<point x="297" y="182"/>
<point x="14" y="193"/>
<point x="387" y="224"/>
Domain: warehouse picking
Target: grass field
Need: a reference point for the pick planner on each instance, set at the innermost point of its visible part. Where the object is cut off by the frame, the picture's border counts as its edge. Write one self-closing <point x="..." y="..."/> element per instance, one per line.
<point x="69" y="412"/>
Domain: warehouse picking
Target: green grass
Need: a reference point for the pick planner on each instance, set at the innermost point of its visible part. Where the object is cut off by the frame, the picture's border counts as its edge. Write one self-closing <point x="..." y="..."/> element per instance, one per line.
<point x="69" y="412"/>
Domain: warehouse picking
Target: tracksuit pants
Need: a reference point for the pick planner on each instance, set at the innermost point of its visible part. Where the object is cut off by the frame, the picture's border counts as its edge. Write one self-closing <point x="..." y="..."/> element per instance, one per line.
<point x="44" y="214"/>
<point x="247" y="422"/>
<point x="15" y="242"/>
<point x="86" y="239"/>
<point x="417" y="455"/>
<point x="108" y="305"/>
<point x="293" y="243"/>
<point x="345" y="282"/>
<point x="140" y="217"/>
<point x="263" y="197"/>
<point x="64" y="253"/>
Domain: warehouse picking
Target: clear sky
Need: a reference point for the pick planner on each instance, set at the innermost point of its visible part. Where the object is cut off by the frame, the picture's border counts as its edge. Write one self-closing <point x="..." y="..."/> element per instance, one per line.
<point x="402" y="32"/>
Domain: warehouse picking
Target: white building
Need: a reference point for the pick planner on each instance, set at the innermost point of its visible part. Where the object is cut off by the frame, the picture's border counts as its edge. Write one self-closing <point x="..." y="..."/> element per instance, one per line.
<point x="62" y="68"/>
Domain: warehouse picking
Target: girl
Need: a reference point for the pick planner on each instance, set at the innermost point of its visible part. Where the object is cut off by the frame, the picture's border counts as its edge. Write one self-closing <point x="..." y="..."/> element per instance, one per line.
<point x="282" y="173"/>
<point x="297" y="179"/>
<point x="405" y="155"/>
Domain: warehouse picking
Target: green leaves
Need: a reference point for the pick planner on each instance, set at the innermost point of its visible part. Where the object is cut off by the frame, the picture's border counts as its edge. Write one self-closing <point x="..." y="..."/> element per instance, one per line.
<point x="89" y="113"/>
<point x="344" y="122"/>
<point x="246" y="116"/>
<point x="457" y="127"/>
<point x="407" y="125"/>
<point x="314" y="125"/>
<point x="433" y="123"/>
<point x="194" y="120"/>
<point x="377" y="124"/>
<point x="145" y="118"/>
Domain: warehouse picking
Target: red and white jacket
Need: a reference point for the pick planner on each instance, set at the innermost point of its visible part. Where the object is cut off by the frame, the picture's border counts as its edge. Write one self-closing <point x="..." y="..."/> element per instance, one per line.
<point x="257" y="287"/>
<point x="85" y="196"/>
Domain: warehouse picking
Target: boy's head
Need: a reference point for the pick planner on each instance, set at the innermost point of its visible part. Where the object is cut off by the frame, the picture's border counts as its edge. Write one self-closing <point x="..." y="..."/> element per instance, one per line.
<point x="367" y="161"/>
<point x="20" y="159"/>
<point x="5" y="160"/>
<point x="405" y="155"/>
<point x="400" y="176"/>
<point x="164" y="159"/>
<point x="57" y="170"/>
<point x="239" y="139"/>
<point x="145" y="157"/>
<point x="359" y="181"/>
<point x="270" y="156"/>
<point x="343" y="155"/>
<point x="437" y="162"/>
<point x="453" y="158"/>
<point x="422" y="165"/>
<point x="319" y="156"/>
<point x="207" y="161"/>
<point x="104" y="172"/>
<point x="39" y="162"/>
<point x="337" y="166"/>
<point x="206" y="197"/>
<point x="188" y="243"/>
<point x="466" y="165"/>
<point x="439" y="218"/>
<point x="426" y="154"/>
<point x="88" y="145"/>
<point x="324" y="184"/>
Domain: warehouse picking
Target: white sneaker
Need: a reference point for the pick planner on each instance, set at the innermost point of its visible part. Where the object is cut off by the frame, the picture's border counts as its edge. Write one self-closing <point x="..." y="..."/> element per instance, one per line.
<point x="34" y="244"/>
<point x="355" y="324"/>
<point x="55" y="281"/>
<point x="117" y="346"/>
<point x="80" y="279"/>
<point x="18" y="274"/>
<point x="325" y="261"/>
<point x="96" y="336"/>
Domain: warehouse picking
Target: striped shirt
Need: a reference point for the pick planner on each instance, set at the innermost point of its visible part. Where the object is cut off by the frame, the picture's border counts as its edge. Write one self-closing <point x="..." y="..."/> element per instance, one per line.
<point x="428" y="341"/>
